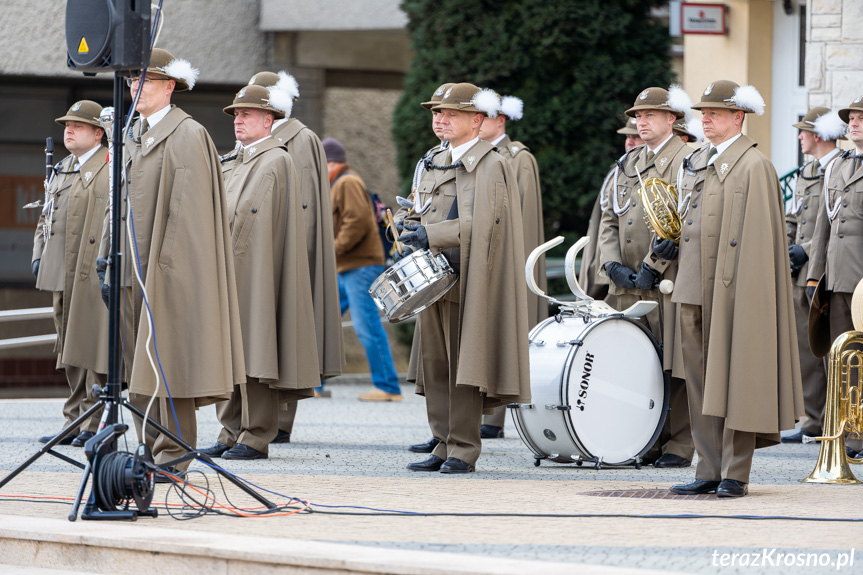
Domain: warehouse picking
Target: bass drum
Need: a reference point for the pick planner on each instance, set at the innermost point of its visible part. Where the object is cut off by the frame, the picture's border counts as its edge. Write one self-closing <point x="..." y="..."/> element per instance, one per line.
<point x="598" y="391"/>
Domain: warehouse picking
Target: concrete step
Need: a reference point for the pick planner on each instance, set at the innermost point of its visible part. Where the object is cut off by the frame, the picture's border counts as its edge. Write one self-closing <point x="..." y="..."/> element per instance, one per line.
<point x="38" y="546"/>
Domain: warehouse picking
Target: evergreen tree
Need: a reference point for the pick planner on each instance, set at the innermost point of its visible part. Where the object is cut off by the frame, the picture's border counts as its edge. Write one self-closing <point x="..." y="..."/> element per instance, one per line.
<point x="577" y="64"/>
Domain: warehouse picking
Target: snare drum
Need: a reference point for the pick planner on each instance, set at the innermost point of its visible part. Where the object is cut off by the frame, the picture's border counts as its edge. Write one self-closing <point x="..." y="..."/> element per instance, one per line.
<point x="412" y="284"/>
<point x="598" y="390"/>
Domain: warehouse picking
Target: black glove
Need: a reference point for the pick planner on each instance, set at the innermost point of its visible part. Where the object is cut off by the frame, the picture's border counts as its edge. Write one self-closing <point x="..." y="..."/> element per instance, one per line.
<point x="810" y="292"/>
<point x="665" y="249"/>
<point x="798" y="256"/>
<point x="36" y="268"/>
<point x="400" y="226"/>
<point x="101" y="267"/>
<point x="621" y="275"/>
<point x="416" y="238"/>
<point x="397" y="256"/>
<point x="795" y="271"/>
<point x="647" y="278"/>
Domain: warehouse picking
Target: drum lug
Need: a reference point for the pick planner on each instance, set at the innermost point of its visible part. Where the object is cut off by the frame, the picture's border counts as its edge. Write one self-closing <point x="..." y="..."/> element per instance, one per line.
<point x="598" y="464"/>
<point x="520" y="406"/>
<point x="537" y="343"/>
<point x="552" y="406"/>
<point x="564" y="343"/>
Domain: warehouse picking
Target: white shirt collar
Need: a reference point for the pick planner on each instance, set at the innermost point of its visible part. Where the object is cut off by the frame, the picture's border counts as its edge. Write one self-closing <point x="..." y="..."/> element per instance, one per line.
<point x="257" y="142"/>
<point x="84" y="157"/>
<point x="496" y="142"/>
<point x="157" y="117"/>
<point x="278" y="123"/>
<point x="459" y="151"/>
<point x="722" y="147"/>
<point x="825" y="159"/>
<point x="659" y="147"/>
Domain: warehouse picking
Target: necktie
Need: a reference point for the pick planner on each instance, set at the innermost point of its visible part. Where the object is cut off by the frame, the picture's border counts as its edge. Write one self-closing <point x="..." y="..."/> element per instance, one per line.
<point x="711" y="156"/>
<point x="76" y="165"/>
<point x="650" y="156"/>
<point x="145" y="125"/>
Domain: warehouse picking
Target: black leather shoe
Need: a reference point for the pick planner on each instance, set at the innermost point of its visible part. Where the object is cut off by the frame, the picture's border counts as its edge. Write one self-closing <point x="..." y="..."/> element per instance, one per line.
<point x="671" y="460"/>
<point x="282" y="437"/>
<point x="798" y="436"/>
<point x="455" y="465"/>
<point x="697" y="487"/>
<point x="82" y="438"/>
<point x="490" y="432"/>
<point x="853" y="454"/>
<point x="215" y="450"/>
<point x="426" y="447"/>
<point x="240" y="451"/>
<point x="433" y="463"/>
<point x="162" y="478"/>
<point x="732" y="488"/>
<point x="65" y="441"/>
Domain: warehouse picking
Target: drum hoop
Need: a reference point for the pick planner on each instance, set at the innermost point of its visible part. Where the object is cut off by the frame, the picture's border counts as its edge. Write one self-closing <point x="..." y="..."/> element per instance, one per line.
<point x="666" y="396"/>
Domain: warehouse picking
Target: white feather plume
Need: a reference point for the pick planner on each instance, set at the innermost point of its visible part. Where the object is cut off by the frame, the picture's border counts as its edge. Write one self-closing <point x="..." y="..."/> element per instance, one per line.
<point x="487" y="101"/>
<point x="512" y="107"/>
<point x="679" y="100"/>
<point x="748" y="97"/>
<point x="694" y="127"/>
<point x="183" y="70"/>
<point x="281" y="100"/>
<point x="830" y="126"/>
<point x="288" y="85"/>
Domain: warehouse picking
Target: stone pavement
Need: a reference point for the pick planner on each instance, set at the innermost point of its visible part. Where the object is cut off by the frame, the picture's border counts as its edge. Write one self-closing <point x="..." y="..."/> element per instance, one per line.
<point x="349" y="454"/>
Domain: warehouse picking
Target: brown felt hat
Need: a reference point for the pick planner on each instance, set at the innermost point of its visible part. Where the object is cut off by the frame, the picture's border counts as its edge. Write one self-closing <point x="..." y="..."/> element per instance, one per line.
<point x="819" y="320"/>
<point x="163" y="63"/>
<point x="254" y="97"/>
<point x="629" y="129"/>
<point x="653" y="99"/>
<point x="464" y="98"/>
<point x="855" y="106"/>
<point x="731" y="96"/>
<point x="437" y="96"/>
<point x="680" y="127"/>
<point x="86" y="111"/>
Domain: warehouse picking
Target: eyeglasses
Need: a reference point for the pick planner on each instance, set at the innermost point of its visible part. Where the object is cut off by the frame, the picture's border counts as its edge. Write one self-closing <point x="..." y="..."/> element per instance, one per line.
<point x="131" y="81"/>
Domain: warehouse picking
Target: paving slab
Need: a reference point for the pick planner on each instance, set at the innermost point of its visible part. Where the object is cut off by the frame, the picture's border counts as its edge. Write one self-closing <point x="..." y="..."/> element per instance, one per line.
<point x="348" y="459"/>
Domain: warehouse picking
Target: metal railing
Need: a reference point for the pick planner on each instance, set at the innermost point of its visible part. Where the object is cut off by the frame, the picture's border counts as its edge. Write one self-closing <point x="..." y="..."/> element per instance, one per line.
<point x="786" y="185"/>
<point x="23" y="315"/>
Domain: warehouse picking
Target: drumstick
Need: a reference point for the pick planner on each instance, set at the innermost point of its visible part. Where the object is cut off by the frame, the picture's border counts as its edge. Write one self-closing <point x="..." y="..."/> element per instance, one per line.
<point x="394" y="230"/>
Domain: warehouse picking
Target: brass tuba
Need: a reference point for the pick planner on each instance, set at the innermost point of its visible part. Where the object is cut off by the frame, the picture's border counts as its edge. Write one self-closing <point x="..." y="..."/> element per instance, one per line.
<point x="843" y="412"/>
<point x="659" y="202"/>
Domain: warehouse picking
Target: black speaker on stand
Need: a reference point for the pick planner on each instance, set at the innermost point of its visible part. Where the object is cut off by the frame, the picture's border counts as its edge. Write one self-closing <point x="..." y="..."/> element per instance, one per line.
<point x="107" y="35"/>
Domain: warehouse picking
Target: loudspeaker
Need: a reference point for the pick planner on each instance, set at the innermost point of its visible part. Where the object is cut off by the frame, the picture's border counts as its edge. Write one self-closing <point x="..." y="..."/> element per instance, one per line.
<point x="107" y="35"/>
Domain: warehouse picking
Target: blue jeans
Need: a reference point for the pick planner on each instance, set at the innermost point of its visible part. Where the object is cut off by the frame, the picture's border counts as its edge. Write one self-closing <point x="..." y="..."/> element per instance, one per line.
<point x="354" y="294"/>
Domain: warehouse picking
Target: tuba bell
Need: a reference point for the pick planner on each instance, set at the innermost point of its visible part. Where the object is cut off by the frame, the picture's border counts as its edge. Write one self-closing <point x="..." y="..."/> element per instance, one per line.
<point x="843" y="412"/>
<point x="659" y="203"/>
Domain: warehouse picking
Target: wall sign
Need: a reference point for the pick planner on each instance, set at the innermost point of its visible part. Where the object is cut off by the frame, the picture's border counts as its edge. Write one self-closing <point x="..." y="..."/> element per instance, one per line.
<point x="702" y="18"/>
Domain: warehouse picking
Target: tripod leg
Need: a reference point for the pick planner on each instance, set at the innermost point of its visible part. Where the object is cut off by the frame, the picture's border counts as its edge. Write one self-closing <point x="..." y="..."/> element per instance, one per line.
<point x="258" y="497"/>
<point x="73" y="515"/>
<point x="47" y="448"/>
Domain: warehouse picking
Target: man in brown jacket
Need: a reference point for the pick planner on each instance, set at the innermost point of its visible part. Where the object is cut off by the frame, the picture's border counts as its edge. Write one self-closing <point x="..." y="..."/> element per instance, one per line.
<point x="306" y="150"/>
<point x="269" y="247"/>
<point x="733" y="285"/>
<point x="360" y="260"/>
<point x="635" y="259"/>
<point x="180" y="250"/>
<point x="470" y="360"/>
<point x="523" y="164"/>
<point x="819" y="130"/>
<point x="835" y="250"/>
<point x="64" y="258"/>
